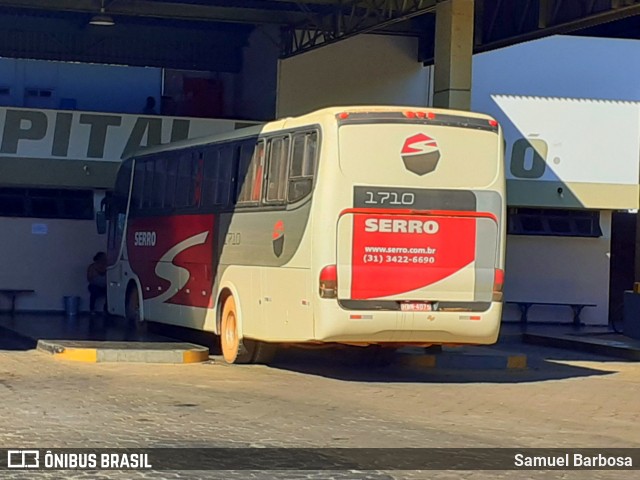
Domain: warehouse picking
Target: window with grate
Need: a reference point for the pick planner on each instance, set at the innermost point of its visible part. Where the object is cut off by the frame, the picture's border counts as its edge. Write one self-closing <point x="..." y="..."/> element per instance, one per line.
<point x="46" y="203"/>
<point x="554" y="222"/>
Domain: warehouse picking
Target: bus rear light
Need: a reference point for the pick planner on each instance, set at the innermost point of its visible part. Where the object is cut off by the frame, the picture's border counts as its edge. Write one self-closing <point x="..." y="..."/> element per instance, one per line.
<point x="429" y="115"/>
<point x="329" y="282"/>
<point x="498" y="284"/>
<point x="343" y="115"/>
<point x="493" y="123"/>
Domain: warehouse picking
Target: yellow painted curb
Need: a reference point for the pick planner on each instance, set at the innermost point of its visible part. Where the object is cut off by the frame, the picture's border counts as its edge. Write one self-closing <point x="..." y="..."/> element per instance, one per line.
<point x="197" y="356"/>
<point x="517" y="362"/>
<point x="89" y="355"/>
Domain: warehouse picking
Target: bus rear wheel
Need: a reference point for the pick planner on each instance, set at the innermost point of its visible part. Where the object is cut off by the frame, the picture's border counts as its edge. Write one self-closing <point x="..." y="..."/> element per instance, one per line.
<point x="236" y="350"/>
<point x="233" y="349"/>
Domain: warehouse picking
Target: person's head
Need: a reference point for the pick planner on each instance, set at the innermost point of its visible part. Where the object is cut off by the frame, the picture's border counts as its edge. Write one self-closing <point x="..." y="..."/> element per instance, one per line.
<point x="100" y="257"/>
<point x="151" y="102"/>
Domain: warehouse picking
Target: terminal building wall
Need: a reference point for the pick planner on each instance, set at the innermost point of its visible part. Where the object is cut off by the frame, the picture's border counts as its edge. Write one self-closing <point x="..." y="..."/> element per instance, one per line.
<point x="588" y="113"/>
<point x="367" y="69"/>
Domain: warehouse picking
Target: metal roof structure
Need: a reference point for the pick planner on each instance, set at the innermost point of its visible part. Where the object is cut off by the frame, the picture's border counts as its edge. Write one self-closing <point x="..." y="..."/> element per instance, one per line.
<point x="210" y="34"/>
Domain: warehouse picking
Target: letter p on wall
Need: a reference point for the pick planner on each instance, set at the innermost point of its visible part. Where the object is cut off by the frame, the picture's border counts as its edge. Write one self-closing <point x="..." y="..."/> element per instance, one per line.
<point x="22" y="125"/>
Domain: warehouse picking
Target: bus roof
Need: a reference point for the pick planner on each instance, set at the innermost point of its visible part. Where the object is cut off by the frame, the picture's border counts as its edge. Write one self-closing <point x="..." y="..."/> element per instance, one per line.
<point x="311" y="118"/>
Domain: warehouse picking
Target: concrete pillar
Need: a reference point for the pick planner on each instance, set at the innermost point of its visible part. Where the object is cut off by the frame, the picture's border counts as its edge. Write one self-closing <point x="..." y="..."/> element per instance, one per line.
<point x="453" y="54"/>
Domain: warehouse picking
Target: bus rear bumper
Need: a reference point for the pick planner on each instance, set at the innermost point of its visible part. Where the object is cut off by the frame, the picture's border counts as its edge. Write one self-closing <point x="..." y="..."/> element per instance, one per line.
<point x="334" y="324"/>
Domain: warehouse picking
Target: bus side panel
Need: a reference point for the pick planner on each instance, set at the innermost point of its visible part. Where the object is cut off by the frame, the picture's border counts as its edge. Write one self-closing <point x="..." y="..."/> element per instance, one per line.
<point x="172" y="257"/>
<point x="287" y="304"/>
<point x="266" y="256"/>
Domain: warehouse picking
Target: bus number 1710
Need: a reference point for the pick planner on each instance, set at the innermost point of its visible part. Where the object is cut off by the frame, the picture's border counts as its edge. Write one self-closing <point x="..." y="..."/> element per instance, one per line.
<point x="389" y="198"/>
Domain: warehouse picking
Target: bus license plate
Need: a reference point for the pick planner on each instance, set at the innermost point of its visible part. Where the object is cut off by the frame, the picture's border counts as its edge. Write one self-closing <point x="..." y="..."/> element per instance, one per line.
<point x="416" y="307"/>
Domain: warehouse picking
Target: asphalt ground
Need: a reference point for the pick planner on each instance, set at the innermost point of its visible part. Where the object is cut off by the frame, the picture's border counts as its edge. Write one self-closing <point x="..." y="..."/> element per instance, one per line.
<point x="317" y="399"/>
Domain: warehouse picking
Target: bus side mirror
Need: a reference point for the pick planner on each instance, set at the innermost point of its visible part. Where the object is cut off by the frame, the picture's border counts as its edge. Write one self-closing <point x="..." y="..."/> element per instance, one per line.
<point x="101" y="222"/>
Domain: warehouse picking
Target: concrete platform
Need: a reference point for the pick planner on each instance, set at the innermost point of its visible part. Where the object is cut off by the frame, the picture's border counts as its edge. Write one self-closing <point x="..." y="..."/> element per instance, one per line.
<point x="598" y="341"/>
<point x="100" y="339"/>
<point x="137" y="352"/>
<point x="463" y="358"/>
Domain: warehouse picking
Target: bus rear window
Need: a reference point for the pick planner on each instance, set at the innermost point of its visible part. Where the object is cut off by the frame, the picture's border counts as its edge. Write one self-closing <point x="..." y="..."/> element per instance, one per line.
<point x="303" y="165"/>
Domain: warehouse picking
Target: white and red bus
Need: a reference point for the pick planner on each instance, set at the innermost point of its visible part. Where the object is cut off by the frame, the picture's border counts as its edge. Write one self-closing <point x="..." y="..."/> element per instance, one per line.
<point x="370" y="226"/>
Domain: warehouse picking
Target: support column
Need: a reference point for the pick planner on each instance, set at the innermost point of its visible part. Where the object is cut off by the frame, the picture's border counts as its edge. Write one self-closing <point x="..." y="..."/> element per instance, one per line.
<point x="453" y="54"/>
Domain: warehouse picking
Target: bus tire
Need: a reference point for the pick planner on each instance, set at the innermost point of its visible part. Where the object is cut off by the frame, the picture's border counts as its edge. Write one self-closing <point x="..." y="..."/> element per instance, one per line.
<point x="132" y="305"/>
<point x="261" y="352"/>
<point x="233" y="349"/>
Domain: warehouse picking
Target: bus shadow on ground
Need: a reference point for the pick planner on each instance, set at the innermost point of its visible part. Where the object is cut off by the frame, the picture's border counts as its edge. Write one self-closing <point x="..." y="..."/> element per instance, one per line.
<point x="342" y="365"/>
<point x="10" y="341"/>
<point x="346" y="364"/>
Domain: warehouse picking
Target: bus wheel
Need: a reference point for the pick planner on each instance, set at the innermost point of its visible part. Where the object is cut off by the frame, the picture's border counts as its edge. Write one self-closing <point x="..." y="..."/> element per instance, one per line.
<point x="233" y="349"/>
<point x="261" y="352"/>
<point x="132" y="306"/>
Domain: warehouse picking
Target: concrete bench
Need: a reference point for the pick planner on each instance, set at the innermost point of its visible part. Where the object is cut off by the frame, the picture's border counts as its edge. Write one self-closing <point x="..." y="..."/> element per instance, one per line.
<point x="576" y="307"/>
<point x="13" y="293"/>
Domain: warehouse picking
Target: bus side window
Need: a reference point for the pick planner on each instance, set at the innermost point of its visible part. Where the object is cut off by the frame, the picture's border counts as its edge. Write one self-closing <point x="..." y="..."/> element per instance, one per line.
<point x="303" y="165"/>
<point x="172" y="180"/>
<point x="147" y="193"/>
<point x="138" y="185"/>
<point x="224" y="177"/>
<point x="185" y="187"/>
<point x="197" y="173"/>
<point x="211" y="160"/>
<point x="159" y="182"/>
<point x="277" y="174"/>
<point x="250" y="172"/>
<point x="217" y="176"/>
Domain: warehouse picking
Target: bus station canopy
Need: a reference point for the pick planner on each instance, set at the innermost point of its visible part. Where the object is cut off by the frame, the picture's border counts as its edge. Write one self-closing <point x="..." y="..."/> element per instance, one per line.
<point x="210" y="34"/>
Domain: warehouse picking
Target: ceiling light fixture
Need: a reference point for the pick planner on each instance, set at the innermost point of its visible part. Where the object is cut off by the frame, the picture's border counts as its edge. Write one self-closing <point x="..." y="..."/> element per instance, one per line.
<point x="102" y="19"/>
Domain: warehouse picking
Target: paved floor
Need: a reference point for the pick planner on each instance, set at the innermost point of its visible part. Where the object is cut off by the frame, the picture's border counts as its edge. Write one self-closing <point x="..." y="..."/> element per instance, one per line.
<point x="312" y="399"/>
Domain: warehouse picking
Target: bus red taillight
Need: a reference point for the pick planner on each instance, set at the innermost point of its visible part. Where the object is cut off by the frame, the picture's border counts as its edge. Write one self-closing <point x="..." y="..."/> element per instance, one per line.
<point x="429" y="115"/>
<point x="498" y="283"/>
<point x="493" y="123"/>
<point x="329" y="282"/>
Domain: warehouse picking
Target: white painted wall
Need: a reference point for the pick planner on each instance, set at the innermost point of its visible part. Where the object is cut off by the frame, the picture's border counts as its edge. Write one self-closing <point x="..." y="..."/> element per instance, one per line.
<point x="367" y="69"/>
<point x="559" y="269"/>
<point x="54" y="264"/>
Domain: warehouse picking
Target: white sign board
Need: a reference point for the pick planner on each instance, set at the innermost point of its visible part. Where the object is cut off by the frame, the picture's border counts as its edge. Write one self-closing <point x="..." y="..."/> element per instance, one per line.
<point x="32" y="133"/>
<point x="570" y="140"/>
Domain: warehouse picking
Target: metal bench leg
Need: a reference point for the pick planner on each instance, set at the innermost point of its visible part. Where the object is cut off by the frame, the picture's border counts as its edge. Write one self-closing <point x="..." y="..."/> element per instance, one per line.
<point x="524" y="310"/>
<point x="577" y="309"/>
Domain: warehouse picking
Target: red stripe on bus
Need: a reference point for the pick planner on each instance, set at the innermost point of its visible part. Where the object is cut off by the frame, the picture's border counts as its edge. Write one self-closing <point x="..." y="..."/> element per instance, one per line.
<point x="431" y="213"/>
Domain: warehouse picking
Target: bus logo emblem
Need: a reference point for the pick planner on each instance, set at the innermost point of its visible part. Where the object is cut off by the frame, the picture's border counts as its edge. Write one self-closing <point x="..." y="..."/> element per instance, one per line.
<point x="420" y="154"/>
<point x="278" y="238"/>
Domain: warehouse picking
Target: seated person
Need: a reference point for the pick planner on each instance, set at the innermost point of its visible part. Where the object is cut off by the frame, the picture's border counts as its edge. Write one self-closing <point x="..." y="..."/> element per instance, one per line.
<point x="97" y="278"/>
